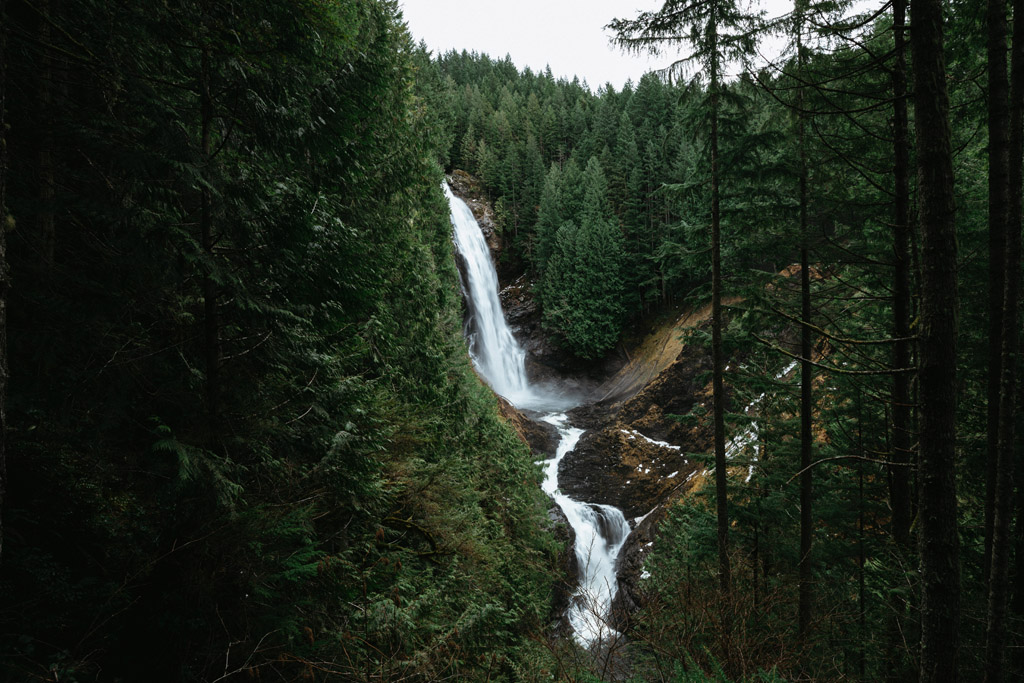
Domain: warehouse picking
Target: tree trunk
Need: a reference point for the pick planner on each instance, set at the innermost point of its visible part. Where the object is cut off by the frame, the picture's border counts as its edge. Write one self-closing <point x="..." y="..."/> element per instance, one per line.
<point x="995" y="632"/>
<point x="717" y="382"/>
<point x="806" y="593"/>
<point x="1014" y="224"/>
<point x="901" y="410"/>
<point x="4" y="273"/>
<point x="938" y="543"/>
<point x="902" y="402"/>
<point x="998" y="199"/>
<point x="211" y="322"/>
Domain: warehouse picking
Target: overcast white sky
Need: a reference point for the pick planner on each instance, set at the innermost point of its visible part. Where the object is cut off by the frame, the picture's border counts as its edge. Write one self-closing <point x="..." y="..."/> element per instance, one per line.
<point x="568" y="35"/>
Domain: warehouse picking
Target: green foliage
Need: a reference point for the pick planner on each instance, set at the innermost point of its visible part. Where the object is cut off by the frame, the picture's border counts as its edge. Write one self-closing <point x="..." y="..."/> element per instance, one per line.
<point x="262" y="450"/>
<point x="582" y="287"/>
<point x="633" y="134"/>
<point x="264" y="453"/>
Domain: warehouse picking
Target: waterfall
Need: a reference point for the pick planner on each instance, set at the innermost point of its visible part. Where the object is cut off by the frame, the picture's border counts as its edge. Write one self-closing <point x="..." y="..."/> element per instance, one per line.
<point x="601" y="530"/>
<point x="496" y="354"/>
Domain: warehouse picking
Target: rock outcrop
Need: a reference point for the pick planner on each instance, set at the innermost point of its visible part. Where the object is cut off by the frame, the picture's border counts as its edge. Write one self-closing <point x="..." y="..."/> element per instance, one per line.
<point x="541" y="437"/>
<point x="623" y="467"/>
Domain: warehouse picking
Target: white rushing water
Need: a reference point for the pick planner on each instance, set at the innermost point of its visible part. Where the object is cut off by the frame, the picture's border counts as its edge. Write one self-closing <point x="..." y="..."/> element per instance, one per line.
<point x="494" y="350"/>
<point x="601" y="530"/>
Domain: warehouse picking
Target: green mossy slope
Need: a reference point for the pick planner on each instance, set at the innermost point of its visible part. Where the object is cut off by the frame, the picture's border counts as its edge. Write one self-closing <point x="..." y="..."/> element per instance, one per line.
<point x="245" y="435"/>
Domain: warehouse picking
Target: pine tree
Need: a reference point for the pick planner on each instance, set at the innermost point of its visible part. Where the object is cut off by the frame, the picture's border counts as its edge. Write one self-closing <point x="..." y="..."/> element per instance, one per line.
<point x="5" y="224"/>
<point x="939" y="544"/>
<point x="717" y="31"/>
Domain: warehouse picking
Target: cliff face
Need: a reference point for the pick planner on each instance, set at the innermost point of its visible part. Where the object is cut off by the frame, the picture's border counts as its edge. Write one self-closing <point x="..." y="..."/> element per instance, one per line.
<point x="471" y="191"/>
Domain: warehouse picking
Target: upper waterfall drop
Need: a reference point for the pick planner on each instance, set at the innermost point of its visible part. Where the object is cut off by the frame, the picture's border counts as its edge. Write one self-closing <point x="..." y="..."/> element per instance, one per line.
<point x="498" y="357"/>
<point x="497" y="354"/>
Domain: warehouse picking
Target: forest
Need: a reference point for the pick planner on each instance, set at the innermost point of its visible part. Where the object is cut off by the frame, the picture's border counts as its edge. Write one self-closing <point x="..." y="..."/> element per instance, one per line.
<point x="240" y="434"/>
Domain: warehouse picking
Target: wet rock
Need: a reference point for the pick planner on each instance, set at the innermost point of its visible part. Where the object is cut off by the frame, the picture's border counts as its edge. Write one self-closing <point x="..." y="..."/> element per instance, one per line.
<point x="594" y="415"/>
<point x="673" y="406"/>
<point x="568" y="565"/>
<point x="622" y="467"/>
<point x="630" y="595"/>
<point x="541" y="437"/>
<point x="518" y="302"/>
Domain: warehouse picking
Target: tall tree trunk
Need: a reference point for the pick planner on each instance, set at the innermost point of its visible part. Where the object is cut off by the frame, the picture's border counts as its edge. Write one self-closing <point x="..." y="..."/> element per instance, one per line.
<point x="211" y="321"/>
<point x="995" y="632"/>
<point x="717" y="360"/>
<point x="806" y="593"/>
<point x="1014" y="224"/>
<point x="998" y="199"/>
<point x="901" y="410"/>
<point x="902" y="402"/>
<point x="939" y="546"/>
<point x="861" y="556"/>
<point x="5" y="222"/>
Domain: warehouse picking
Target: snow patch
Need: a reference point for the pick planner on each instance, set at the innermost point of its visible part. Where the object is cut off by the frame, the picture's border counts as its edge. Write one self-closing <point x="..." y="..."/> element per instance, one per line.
<point x="632" y="434"/>
<point x="786" y="370"/>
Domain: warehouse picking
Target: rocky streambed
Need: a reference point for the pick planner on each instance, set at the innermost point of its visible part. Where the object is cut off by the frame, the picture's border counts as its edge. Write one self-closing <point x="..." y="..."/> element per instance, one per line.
<point x="636" y="453"/>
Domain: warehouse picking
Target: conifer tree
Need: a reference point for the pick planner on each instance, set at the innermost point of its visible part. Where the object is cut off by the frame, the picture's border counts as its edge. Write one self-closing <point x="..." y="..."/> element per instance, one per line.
<point x="901" y="396"/>
<point x="938" y="541"/>
<point x="582" y="287"/>
<point x="998" y="205"/>
<point x="626" y="159"/>
<point x="273" y="162"/>
<point x="800" y="21"/>
<point x="5" y="223"/>
<point x="1004" y="205"/>
<point x="550" y="216"/>
<point x="717" y="31"/>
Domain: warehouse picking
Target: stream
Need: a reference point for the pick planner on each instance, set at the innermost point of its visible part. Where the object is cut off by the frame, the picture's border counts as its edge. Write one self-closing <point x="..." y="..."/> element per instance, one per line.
<point x="601" y="530"/>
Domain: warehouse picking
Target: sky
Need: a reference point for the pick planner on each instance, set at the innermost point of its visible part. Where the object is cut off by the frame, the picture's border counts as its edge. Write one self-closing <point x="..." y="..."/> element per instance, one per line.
<point x="568" y="35"/>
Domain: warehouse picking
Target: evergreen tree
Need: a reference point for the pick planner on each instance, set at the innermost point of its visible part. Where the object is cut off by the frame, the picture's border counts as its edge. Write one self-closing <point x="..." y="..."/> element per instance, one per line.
<point x="6" y="223"/>
<point x="717" y="31"/>
<point x="939" y="543"/>
<point x="240" y="384"/>
<point x="551" y="215"/>
<point x="582" y="286"/>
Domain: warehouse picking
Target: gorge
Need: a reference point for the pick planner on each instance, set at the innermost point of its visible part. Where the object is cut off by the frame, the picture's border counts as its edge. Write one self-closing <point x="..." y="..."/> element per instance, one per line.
<point x="600" y="530"/>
